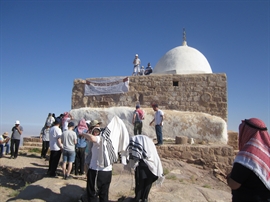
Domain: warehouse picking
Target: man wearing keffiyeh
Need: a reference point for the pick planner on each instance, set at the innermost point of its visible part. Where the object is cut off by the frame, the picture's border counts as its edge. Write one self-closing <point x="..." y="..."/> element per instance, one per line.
<point x="250" y="175"/>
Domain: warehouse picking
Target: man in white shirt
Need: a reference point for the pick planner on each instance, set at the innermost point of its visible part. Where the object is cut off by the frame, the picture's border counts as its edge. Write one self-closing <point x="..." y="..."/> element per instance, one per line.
<point x="158" y="119"/>
<point x="136" y="63"/>
<point x="55" y="134"/>
<point x="98" y="178"/>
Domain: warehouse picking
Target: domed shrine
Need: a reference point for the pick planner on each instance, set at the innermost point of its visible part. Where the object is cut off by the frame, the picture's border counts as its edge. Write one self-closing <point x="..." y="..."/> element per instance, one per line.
<point x="183" y="60"/>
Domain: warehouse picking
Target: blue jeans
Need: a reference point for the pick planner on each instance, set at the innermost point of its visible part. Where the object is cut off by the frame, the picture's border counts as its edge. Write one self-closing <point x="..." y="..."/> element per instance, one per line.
<point x="159" y="134"/>
<point x="7" y="148"/>
<point x="68" y="156"/>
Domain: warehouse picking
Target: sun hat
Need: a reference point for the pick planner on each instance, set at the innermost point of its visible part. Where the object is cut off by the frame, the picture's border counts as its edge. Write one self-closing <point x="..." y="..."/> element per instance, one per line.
<point x="5" y="134"/>
<point x="17" y="122"/>
<point x="94" y="123"/>
<point x="136" y="55"/>
<point x="96" y="128"/>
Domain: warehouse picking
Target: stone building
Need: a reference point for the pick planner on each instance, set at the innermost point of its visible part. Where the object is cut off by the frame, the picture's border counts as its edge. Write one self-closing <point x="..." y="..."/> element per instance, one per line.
<point x="182" y="80"/>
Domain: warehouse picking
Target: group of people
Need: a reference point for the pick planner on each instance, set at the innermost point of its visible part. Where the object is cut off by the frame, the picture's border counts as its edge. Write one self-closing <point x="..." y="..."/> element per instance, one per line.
<point x="140" y="70"/>
<point x="249" y="178"/>
<point x="97" y="149"/>
<point x="138" y="117"/>
<point x="91" y="147"/>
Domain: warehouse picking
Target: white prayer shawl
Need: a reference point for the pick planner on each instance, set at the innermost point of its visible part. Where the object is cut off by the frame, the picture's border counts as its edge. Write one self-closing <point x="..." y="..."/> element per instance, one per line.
<point x="115" y="139"/>
<point x="142" y="147"/>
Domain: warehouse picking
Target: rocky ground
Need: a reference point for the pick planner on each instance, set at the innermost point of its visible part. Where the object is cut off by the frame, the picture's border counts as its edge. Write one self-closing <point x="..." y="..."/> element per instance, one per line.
<point x="24" y="179"/>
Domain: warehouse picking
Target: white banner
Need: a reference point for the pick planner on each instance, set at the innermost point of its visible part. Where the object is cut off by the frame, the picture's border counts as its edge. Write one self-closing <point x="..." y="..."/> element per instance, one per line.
<point x="106" y="86"/>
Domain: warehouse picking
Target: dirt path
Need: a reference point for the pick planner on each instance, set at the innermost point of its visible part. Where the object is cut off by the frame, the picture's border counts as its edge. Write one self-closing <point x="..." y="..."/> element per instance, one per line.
<point x="184" y="182"/>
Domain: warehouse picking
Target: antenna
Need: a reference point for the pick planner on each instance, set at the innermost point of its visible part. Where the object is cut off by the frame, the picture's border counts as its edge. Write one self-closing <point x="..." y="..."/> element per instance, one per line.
<point x="184" y="38"/>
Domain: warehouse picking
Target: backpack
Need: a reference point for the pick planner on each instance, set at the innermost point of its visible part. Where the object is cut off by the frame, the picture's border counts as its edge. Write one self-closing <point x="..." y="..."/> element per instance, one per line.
<point x="141" y="114"/>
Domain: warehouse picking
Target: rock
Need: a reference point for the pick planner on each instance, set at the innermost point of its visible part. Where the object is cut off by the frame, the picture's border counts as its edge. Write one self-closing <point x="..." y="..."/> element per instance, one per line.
<point x="196" y="125"/>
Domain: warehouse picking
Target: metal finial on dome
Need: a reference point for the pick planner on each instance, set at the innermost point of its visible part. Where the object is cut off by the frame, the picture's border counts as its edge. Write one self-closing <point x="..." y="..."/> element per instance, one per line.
<point x="184" y="38"/>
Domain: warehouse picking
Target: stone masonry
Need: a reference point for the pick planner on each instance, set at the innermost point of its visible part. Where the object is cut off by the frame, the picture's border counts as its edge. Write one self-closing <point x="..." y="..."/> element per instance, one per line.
<point x="193" y="92"/>
<point x="212" y="156"/>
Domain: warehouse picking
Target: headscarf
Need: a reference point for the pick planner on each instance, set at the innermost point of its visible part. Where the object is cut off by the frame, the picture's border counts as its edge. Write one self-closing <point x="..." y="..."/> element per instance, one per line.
<point x="65" y="117"/>
<point x="82" y="126"/>
<point x="254" y="148"/>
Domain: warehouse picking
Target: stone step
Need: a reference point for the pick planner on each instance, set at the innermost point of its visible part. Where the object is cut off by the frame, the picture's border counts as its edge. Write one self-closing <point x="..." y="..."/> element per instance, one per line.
<point x="31" y="139"/>
<point x="23" y="148"/>
<point x="36" y="144"/>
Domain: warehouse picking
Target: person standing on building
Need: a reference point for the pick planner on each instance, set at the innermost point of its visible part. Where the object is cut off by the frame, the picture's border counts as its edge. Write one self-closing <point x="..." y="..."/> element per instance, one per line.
<point x="142" y="71"/>
<point x="55" y="134"/>
<point x="158" y="120"/>
<point x="138" y="116"/>
<point x="136" y="63"/>
<point x="45" y="139"/>
<point x="15" y="139"/>
<point x="148" y="69"/>
<point x="67" y="144"/>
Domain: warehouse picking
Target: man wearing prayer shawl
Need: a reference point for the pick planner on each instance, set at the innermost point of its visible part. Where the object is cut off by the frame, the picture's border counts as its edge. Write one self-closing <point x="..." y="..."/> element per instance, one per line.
<point x="146" y="162"/>
<point x="250" y="175"/>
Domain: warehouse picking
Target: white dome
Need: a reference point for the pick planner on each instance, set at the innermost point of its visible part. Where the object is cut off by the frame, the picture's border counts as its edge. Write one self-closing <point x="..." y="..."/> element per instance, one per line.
<point x="183" y="60"/>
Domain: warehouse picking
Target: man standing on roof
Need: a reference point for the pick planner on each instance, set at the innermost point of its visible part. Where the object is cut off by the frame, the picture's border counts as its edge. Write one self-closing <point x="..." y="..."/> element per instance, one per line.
<point x="136" y="63"/>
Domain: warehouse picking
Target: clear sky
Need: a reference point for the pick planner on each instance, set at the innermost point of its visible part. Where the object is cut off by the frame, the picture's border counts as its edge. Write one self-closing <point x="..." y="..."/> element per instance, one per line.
<point x="45" y="45"/>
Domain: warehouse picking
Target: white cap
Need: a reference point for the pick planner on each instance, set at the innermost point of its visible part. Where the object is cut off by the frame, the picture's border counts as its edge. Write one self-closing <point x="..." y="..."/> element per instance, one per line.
<point x="17" y="122"/>
<point x="136" y="55"/>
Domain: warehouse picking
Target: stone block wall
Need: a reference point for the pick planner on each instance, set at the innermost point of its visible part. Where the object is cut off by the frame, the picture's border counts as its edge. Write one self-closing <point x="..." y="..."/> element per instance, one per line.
<point x="194" y="92"/>
<point x="233" y="139"/>
<point x="213" y="156"/>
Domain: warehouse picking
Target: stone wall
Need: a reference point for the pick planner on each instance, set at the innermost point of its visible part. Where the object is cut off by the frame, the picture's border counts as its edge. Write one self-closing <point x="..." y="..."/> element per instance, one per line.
<point x="195" y="93"/>
<point x="213" y="156"/>
<point x="233" y="139"/>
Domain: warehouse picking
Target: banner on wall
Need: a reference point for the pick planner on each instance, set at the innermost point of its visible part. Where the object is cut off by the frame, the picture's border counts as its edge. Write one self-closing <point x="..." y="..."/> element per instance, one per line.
<point x="106" y="86"/>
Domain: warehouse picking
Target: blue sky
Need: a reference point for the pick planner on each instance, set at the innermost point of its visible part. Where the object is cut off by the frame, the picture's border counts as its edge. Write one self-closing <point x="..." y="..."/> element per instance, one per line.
<point x="45" y="45"/>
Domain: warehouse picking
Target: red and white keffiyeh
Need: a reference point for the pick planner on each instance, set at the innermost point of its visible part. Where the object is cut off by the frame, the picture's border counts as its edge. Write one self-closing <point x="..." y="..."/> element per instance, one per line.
<point x="254" y="148"/>
<point x="82" y="126"/>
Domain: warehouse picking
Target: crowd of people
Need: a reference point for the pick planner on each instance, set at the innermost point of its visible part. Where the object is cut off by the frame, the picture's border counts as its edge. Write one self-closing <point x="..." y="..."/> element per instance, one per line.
<point x="87" y="150"/>
<point x="94" y="150"/>
<point x="139" y="70"/>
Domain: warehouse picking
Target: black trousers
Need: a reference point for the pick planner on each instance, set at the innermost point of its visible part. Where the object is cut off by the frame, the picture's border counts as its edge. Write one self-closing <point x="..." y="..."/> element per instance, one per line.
<point x="45" y="147"/>
<point x="53" y="163"/>
<point x="14" y="151"/>
<point x="79" y="160"/>
<point x="143" y="181"/>
<point x="103" y="184"/>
